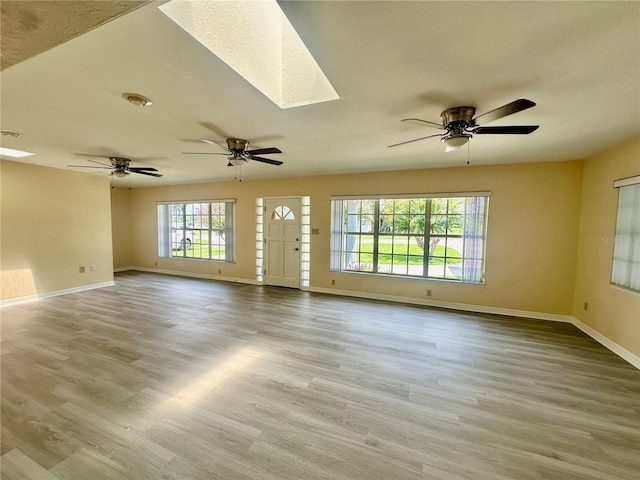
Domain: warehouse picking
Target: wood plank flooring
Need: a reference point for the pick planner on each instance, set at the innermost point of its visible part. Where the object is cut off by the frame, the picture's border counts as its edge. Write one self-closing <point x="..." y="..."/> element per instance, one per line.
<point x="162" y="377"/>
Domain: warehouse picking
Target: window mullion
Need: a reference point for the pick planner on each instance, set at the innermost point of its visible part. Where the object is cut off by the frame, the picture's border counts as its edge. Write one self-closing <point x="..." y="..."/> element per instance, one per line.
<point x="210" y="233"/>
<point x="427" y="238"/>
<point x="184" y="229"/>
<point x="376" y="233"/>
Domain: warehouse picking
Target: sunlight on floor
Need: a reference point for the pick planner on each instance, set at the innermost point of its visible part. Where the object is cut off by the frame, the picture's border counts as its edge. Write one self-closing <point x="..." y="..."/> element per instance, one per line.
<point x="216" y="376"/>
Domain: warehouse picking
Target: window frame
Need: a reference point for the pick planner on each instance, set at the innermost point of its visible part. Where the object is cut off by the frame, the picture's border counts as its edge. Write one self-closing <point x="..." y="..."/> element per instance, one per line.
<point x="352" y="217"/>
<point x="625" y="262"/>
<point x="167" y="230"/>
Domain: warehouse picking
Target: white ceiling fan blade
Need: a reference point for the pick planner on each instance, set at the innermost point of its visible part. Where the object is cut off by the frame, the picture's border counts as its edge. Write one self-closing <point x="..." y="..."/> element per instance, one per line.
<point x="213" y="142"/>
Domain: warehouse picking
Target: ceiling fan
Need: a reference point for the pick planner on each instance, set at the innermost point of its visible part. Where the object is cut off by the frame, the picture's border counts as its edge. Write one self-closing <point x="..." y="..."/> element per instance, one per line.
<point x="460" y="126"/>
<point x="237" y="153"/>
<point x="120" y="167"/>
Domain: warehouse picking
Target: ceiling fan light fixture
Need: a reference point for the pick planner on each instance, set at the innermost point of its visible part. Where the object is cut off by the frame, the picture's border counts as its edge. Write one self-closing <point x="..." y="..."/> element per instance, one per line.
<point x="456" y="140"/>
<point x="237" y="161"/>
<point x="137" y="99"/>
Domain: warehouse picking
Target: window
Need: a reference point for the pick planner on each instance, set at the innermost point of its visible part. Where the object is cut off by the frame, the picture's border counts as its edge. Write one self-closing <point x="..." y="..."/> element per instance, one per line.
<point x="625" y="271"/>
<point x="439" y="237"/>
<point x="202" y="230"/>
<point x="283" y="213"/>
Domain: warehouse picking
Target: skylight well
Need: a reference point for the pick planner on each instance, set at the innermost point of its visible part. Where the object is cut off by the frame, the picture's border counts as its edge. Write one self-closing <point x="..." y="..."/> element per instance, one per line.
<point x="255" y="38"/>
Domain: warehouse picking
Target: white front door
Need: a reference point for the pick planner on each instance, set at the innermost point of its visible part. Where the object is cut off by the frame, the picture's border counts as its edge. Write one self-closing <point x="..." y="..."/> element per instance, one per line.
<point x="282" y="242"/>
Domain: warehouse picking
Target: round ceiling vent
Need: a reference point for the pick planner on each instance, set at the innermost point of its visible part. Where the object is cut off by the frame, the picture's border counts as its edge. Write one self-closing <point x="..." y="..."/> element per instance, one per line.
<point x="9" y="133"/>
<point x="137" y="99"/>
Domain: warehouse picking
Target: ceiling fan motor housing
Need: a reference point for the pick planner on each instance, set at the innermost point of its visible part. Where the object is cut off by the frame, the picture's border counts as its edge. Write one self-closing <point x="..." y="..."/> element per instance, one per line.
<point x="120" y="162"/>
<point x="456" y="120"/>
<point x="458" y="117"/>
<point x="237" y="144"/>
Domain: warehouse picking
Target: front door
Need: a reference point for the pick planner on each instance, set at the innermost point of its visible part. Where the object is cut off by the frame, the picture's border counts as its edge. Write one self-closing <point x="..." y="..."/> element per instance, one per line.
<point x="282" y="242"/>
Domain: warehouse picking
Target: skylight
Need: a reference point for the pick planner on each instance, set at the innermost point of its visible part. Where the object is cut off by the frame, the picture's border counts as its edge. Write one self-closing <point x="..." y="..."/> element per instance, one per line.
<point x="255" y="38"/>
<point x="10" y="152"/>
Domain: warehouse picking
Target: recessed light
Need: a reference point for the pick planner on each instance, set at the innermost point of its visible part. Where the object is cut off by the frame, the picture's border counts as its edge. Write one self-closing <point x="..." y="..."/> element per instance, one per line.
<point x="10" y="152"/>
<point x="137" y="99"/>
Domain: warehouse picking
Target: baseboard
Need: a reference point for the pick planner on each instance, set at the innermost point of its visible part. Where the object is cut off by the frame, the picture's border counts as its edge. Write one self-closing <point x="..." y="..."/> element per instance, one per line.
<point x="606" y="342"/>
<point x="622" y="352"/>
<point x="122" y="269"/>
<point x="66" y="291"/>
<point x="449" y="305"/>
<point x="179" y="273"/>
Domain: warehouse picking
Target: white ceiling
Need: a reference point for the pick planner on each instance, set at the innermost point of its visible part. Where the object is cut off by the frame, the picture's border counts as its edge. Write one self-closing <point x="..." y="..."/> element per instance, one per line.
<point x="387" y="60"/>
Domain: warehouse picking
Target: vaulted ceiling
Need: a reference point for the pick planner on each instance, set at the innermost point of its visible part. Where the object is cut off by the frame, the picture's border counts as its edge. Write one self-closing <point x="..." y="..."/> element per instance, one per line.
<point x="67" y="64"/>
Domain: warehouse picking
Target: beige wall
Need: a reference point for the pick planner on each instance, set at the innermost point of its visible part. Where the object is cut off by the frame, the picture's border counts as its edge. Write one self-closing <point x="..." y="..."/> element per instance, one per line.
<point x="532" y="231"/>
<point x="121" y="228"/>
<point x="613" y="312"/>
<point x="540" y="215"/>
<point x="53" y="221"/>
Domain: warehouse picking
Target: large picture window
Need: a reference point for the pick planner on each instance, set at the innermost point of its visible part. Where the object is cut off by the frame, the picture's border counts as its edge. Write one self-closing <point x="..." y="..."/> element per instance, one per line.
<point x="202" y="230"/>
<point x="440" y="237"/>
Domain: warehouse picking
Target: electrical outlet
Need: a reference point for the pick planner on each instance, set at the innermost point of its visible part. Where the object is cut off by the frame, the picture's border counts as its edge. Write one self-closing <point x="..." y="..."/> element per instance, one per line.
<point x="219" y="271"/>
<point x="92" y="268"/>
<point x="81" y="269"/>
<point x="428" y="292"/>
<point x="333" y="282"/>
<point x="155" y="264"/>
<point x="586" y="306"/>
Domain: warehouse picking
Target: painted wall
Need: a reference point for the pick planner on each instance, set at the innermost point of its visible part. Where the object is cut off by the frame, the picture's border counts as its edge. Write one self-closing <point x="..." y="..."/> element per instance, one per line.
<point x="532" y="231"/>
<point x="613" y="312"/>
<point x="121" y="228"/>
<point x="53" y="221"/>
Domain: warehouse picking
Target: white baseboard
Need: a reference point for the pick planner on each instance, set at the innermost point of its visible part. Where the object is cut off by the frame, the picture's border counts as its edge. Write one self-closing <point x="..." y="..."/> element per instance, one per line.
<point x="608" y="343"/>
<point x="450" y="305"/>
<point x="206" y="276"/>
<point x="66" y="291"/>
<point x="622" y="352"/>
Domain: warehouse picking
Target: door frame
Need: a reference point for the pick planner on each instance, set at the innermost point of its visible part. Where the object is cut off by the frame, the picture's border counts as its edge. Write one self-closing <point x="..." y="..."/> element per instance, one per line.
<point x="265" y="199"/>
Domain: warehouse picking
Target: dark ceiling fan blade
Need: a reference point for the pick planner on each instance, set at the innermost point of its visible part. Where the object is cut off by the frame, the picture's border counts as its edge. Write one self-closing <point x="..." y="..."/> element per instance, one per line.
<point x="261" y="151"/>
<point x="503" y="111"/>
<point x="139" y="169"/>
<point x="205" y="153"/>
<point x="424" y="123"/>
<point x="213" y="142"/>
<point x="417" y="139"/>
<point x="265" y="160"/>
<point x="146" y="173"/>
<point x="89" y="166"/>
<point x="518" y="130"/>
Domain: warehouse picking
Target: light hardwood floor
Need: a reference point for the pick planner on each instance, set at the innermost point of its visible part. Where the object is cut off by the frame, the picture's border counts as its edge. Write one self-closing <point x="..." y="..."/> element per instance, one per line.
<point x="162" y="377"/>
